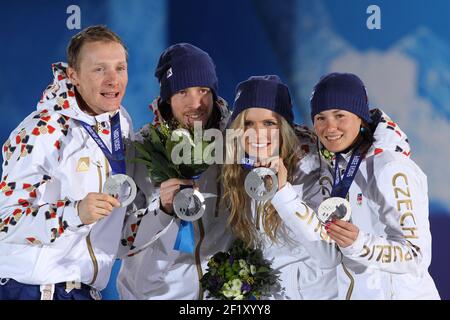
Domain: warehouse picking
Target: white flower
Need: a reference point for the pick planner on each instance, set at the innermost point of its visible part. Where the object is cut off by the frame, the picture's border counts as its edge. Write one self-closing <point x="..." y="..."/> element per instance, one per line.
<point x="184" y="134"/>
<point x="252" y="269"/>
<point x="244" y="268"/>
<point x="242" y="263"/>
<point x="226" y="290"/>
<point x="232" y="289"/>
<point x="236" y="284"/>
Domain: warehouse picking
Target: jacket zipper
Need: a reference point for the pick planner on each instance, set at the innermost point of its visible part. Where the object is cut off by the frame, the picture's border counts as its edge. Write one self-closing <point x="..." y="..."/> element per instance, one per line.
<point x="93" y="258"/>
<point x="198" y="263"/>
<point x="352" y="282"/>
<point x="88" y="238"/>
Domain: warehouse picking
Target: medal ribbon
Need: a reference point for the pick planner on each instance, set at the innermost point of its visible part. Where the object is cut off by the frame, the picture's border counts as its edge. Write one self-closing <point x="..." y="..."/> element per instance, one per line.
<point x="185" y="241"/>
<point x="116" y="158"/>
<point x="247" y="162"/>
<point x="341" y="186"/>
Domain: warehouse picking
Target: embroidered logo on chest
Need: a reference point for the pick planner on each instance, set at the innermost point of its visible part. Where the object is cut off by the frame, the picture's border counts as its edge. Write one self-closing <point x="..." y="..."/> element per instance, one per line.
<point x="83" y="164"/>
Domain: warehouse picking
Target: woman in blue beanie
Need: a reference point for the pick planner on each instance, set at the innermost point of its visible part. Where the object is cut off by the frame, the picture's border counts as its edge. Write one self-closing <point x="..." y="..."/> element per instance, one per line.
<point x="263" y="106"/>
<point x="386" y="244"/>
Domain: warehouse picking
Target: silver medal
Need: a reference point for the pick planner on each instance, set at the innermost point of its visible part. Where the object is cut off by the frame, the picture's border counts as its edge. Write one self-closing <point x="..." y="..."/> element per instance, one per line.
<point x="189" y="204"/>
<point x="256" y="184"/>
<point x="121" y="187"/>
<point x="335" y="207"/>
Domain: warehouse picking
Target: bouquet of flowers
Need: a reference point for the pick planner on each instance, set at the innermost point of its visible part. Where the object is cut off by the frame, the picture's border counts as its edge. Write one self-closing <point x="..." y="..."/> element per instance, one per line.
<point x="239" y="274"/>
<point x="172" y="153"/>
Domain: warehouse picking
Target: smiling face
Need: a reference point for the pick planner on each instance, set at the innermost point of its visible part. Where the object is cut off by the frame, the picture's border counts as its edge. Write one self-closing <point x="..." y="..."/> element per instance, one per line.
<point x="262" y="132"/>
<point x="337" y="129"/>
<point x="192" y="104"/>
<point x="101" y="77"/>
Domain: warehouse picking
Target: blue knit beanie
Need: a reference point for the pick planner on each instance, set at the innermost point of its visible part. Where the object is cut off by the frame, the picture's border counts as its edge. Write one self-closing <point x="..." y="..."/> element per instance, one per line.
<point x="266" y="92"/>
<point x="182" y="66"/>
<point x="343" y="91"/>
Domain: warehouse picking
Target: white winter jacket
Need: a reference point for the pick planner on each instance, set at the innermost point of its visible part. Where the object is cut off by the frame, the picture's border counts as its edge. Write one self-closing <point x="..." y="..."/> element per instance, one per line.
<point x="151" y="267"/>
<point x="50" y="163"/>
<point x="389" y="200"/>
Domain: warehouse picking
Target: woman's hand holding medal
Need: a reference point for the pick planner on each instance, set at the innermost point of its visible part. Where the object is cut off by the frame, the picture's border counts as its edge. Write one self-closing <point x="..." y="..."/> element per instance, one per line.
<point x="277" y="165"/>
<point x="344" y="233"/>
<point x="267" y="177"/>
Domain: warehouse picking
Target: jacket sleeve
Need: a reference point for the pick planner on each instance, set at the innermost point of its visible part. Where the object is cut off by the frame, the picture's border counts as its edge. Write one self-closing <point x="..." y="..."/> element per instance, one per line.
<point x="145" y="222"/>
<point x="302" y="221"/>
<point x="400" y="193"/>
<point x="30" y="154"/>
<point x="296" y="203"/>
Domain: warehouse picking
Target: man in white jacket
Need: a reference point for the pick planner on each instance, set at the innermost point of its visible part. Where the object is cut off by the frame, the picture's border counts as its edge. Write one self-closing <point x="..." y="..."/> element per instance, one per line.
<point x="58" y="232"/>
<point x="152" y="268"/>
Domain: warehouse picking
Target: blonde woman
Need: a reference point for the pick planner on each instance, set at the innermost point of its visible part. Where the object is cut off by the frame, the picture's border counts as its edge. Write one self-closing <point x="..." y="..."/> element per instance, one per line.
<point x="263" y="120"/>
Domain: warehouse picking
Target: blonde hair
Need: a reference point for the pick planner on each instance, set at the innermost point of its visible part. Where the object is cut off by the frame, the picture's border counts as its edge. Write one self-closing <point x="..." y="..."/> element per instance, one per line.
<point x="235" y="198"/>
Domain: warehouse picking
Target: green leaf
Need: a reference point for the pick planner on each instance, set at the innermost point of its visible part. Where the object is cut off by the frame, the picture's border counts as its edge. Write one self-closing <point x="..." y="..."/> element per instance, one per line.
<point x="158" y="176"/>
<point x="141" y="149"/>
<point x="262" y="270"/>
<point x="140" y="160"/>
<point x="157" y="143"/>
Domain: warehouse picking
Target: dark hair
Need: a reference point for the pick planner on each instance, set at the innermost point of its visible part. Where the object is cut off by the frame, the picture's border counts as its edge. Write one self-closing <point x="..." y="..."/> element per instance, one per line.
<point x="90" y="34"/>
<point x="365" y="138"/>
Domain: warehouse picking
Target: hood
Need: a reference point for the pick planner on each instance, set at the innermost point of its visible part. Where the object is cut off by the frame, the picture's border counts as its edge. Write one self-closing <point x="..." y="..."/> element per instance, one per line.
<point x="60" y="97"/>
<point x="309" y="159"/>
<point x="388" y="135"/>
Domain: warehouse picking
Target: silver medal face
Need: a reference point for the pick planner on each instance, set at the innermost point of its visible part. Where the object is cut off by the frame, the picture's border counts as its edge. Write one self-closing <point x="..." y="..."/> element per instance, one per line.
<point x="121" y="187"/>
<point x="257" y="185"/>
<point x="189" y="204"/>
<point x="335" y="207"/>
